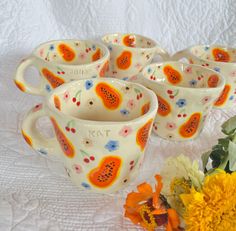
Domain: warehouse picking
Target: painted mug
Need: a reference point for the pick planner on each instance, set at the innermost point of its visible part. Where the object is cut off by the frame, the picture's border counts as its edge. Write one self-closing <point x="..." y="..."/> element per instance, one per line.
<point x="186" y="94"/>
<point x="219" y="58"/>
<point x="62" y="61"/>
<point x="130" y="53"/>
<point x="101" y="130"/>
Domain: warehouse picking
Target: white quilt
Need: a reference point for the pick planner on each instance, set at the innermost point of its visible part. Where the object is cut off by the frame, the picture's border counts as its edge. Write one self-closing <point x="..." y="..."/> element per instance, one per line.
<point x="35" y="193"/>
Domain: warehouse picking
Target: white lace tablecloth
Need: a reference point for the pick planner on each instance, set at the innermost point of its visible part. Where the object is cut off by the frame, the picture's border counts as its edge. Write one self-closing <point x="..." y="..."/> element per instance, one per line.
<point x="35" y="193"/>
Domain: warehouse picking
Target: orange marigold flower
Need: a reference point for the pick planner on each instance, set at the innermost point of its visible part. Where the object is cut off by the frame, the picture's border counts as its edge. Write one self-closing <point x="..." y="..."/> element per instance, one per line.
<point x="150" y="209"/>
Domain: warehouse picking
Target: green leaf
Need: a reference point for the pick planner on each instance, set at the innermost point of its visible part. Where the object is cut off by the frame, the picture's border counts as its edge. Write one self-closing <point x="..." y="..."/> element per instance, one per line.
<point x="229" y="126"/>
<point x="232" y="156"/>
<point x="224" y="142"/>
<point x="205" y="157"/>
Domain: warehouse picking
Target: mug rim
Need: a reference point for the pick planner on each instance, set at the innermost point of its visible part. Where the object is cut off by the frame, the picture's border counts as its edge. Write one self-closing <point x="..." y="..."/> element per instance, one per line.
<point x="131" y="48"/>
<point x="102" y="59"/>
<point x="209" y="60"/>
<point x="153" y="103"/>
<point x="221" y="85"/>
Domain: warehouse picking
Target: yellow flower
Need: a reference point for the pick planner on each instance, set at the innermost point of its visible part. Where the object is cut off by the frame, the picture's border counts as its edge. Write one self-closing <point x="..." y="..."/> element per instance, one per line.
<point x="179" y="174"/>
<point x="214" y="207"/>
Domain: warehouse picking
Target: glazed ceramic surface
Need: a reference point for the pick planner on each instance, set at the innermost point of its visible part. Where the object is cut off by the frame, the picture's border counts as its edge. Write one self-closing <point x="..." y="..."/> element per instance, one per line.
<point x="130" y="53"/>
<point x="101" y="129"/>
<point x="186" y="94"/>
<point x="62" y="61"/>
<point x="221" y="59"/>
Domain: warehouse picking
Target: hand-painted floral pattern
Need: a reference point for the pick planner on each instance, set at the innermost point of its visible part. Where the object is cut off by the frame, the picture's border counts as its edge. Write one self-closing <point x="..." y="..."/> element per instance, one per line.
<point x="131" y="104"/>
<point x="171" y="126"/>
<point x="78" y="168"/>
<point x="125" y="131"/>
<point x="112" y="145"/>
<point x="181" y="103"/>
<point x="88" y="84"/>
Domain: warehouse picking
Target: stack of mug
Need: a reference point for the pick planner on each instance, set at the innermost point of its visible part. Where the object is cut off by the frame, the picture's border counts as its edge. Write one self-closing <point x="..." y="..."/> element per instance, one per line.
<point x="102" y="125"/>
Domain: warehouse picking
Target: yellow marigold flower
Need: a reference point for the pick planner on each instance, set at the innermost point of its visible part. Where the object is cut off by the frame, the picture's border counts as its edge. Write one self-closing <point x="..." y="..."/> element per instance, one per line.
<point x="214" y="207"/>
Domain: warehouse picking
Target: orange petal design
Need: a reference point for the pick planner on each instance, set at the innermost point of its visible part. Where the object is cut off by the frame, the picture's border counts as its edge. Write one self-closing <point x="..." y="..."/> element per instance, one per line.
<point x="97" y="55"/>
<point x="220" y="55"/>
<point x="173" y="76"/>
<point x="66" y="52"/>
<point x="224" y="95"/>
<point x="20" y="85"/>
<point x="54" y="80"/>
<point x="27" y="138"/>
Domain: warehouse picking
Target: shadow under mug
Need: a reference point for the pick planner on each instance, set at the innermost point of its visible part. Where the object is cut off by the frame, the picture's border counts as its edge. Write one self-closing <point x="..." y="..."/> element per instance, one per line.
<point x="186" y="94"/>
<point x="130" y="53"/>
<point x="101" y="130"/>
<point x="62" y="61"/>
<point x="219" y="58"/>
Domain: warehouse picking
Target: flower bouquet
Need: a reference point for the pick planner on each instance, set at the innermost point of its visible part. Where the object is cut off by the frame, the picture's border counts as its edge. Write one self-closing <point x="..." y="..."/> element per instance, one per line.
<point x="188" y="198"/>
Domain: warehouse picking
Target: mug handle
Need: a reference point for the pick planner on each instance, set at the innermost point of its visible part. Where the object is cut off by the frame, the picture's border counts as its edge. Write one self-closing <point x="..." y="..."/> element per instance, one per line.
<point x="20" y="80"/>
<point x="181" y="54"/>
<point x="164" y="54"/>
<point x="32" y="135"/>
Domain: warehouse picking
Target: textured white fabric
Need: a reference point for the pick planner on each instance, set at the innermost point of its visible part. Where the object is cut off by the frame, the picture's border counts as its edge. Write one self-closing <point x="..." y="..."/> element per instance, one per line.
<point x="35" y="193"/>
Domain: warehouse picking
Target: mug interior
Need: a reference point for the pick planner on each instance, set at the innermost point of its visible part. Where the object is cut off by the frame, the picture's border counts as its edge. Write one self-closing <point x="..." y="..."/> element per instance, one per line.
<point x="215" y="53"/>
<point x="102" y="100"/>
<point x="129" y="40"/>
<point x="73" y="52"/>
<point x="183" y="75"/>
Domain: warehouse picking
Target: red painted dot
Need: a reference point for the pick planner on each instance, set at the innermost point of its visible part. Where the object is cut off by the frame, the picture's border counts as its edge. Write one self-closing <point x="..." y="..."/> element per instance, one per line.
<point x="78" y="103"/>
<point x="74" y="99"/>
<point x="137" y="97"/>
<point x="131" y="167"/>
<point x="58" y="72"/>
<point x="63" y="72"/>
<point x="92" y="158"/>
<point x="73" y="130"/>
<point x="170" y="92"/>
<point x="172" y="97"/>
<point x="67" y="129"/>
<point x="184" y="115"/>
<point x="141" y="95"/>
<point x="179" y="115"/>
<point x="86" y="160"/>
<point x="131" y="162"/>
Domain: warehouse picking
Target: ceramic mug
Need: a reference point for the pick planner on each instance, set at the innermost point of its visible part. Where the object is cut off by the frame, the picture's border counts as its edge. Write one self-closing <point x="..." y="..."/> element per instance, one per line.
<point x="130" y="53"/>
<point x="219" y="58"/>
<point x="101" y="129"/>
<point x="61" y="61"/>
<point x="186" y="94"/>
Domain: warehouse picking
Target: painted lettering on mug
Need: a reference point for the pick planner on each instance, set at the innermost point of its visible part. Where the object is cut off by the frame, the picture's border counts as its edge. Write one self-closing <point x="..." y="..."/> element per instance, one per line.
<point x="99" y="133"/>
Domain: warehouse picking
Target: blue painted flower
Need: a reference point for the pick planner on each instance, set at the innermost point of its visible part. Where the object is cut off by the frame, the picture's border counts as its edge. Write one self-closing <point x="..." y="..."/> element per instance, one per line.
<point x="51" y="48"/>
<point x="42" y="151"/>
<point x="112" y="145"/>
<point x="193" y="82"/>
<point x="231" y="97"/>
<point x="217" y="69"/>
<point x="86" y="185"/>
<point x="125" y="78"/>
<point x="94" y="47"/>
<point x="149" y="70"/>
<point x="110" y="48"/>
<point x="88" y="84"/>
<point x="48" y="88"/>
<point x="124" y="112"/>
<point x="181" y="102"/>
